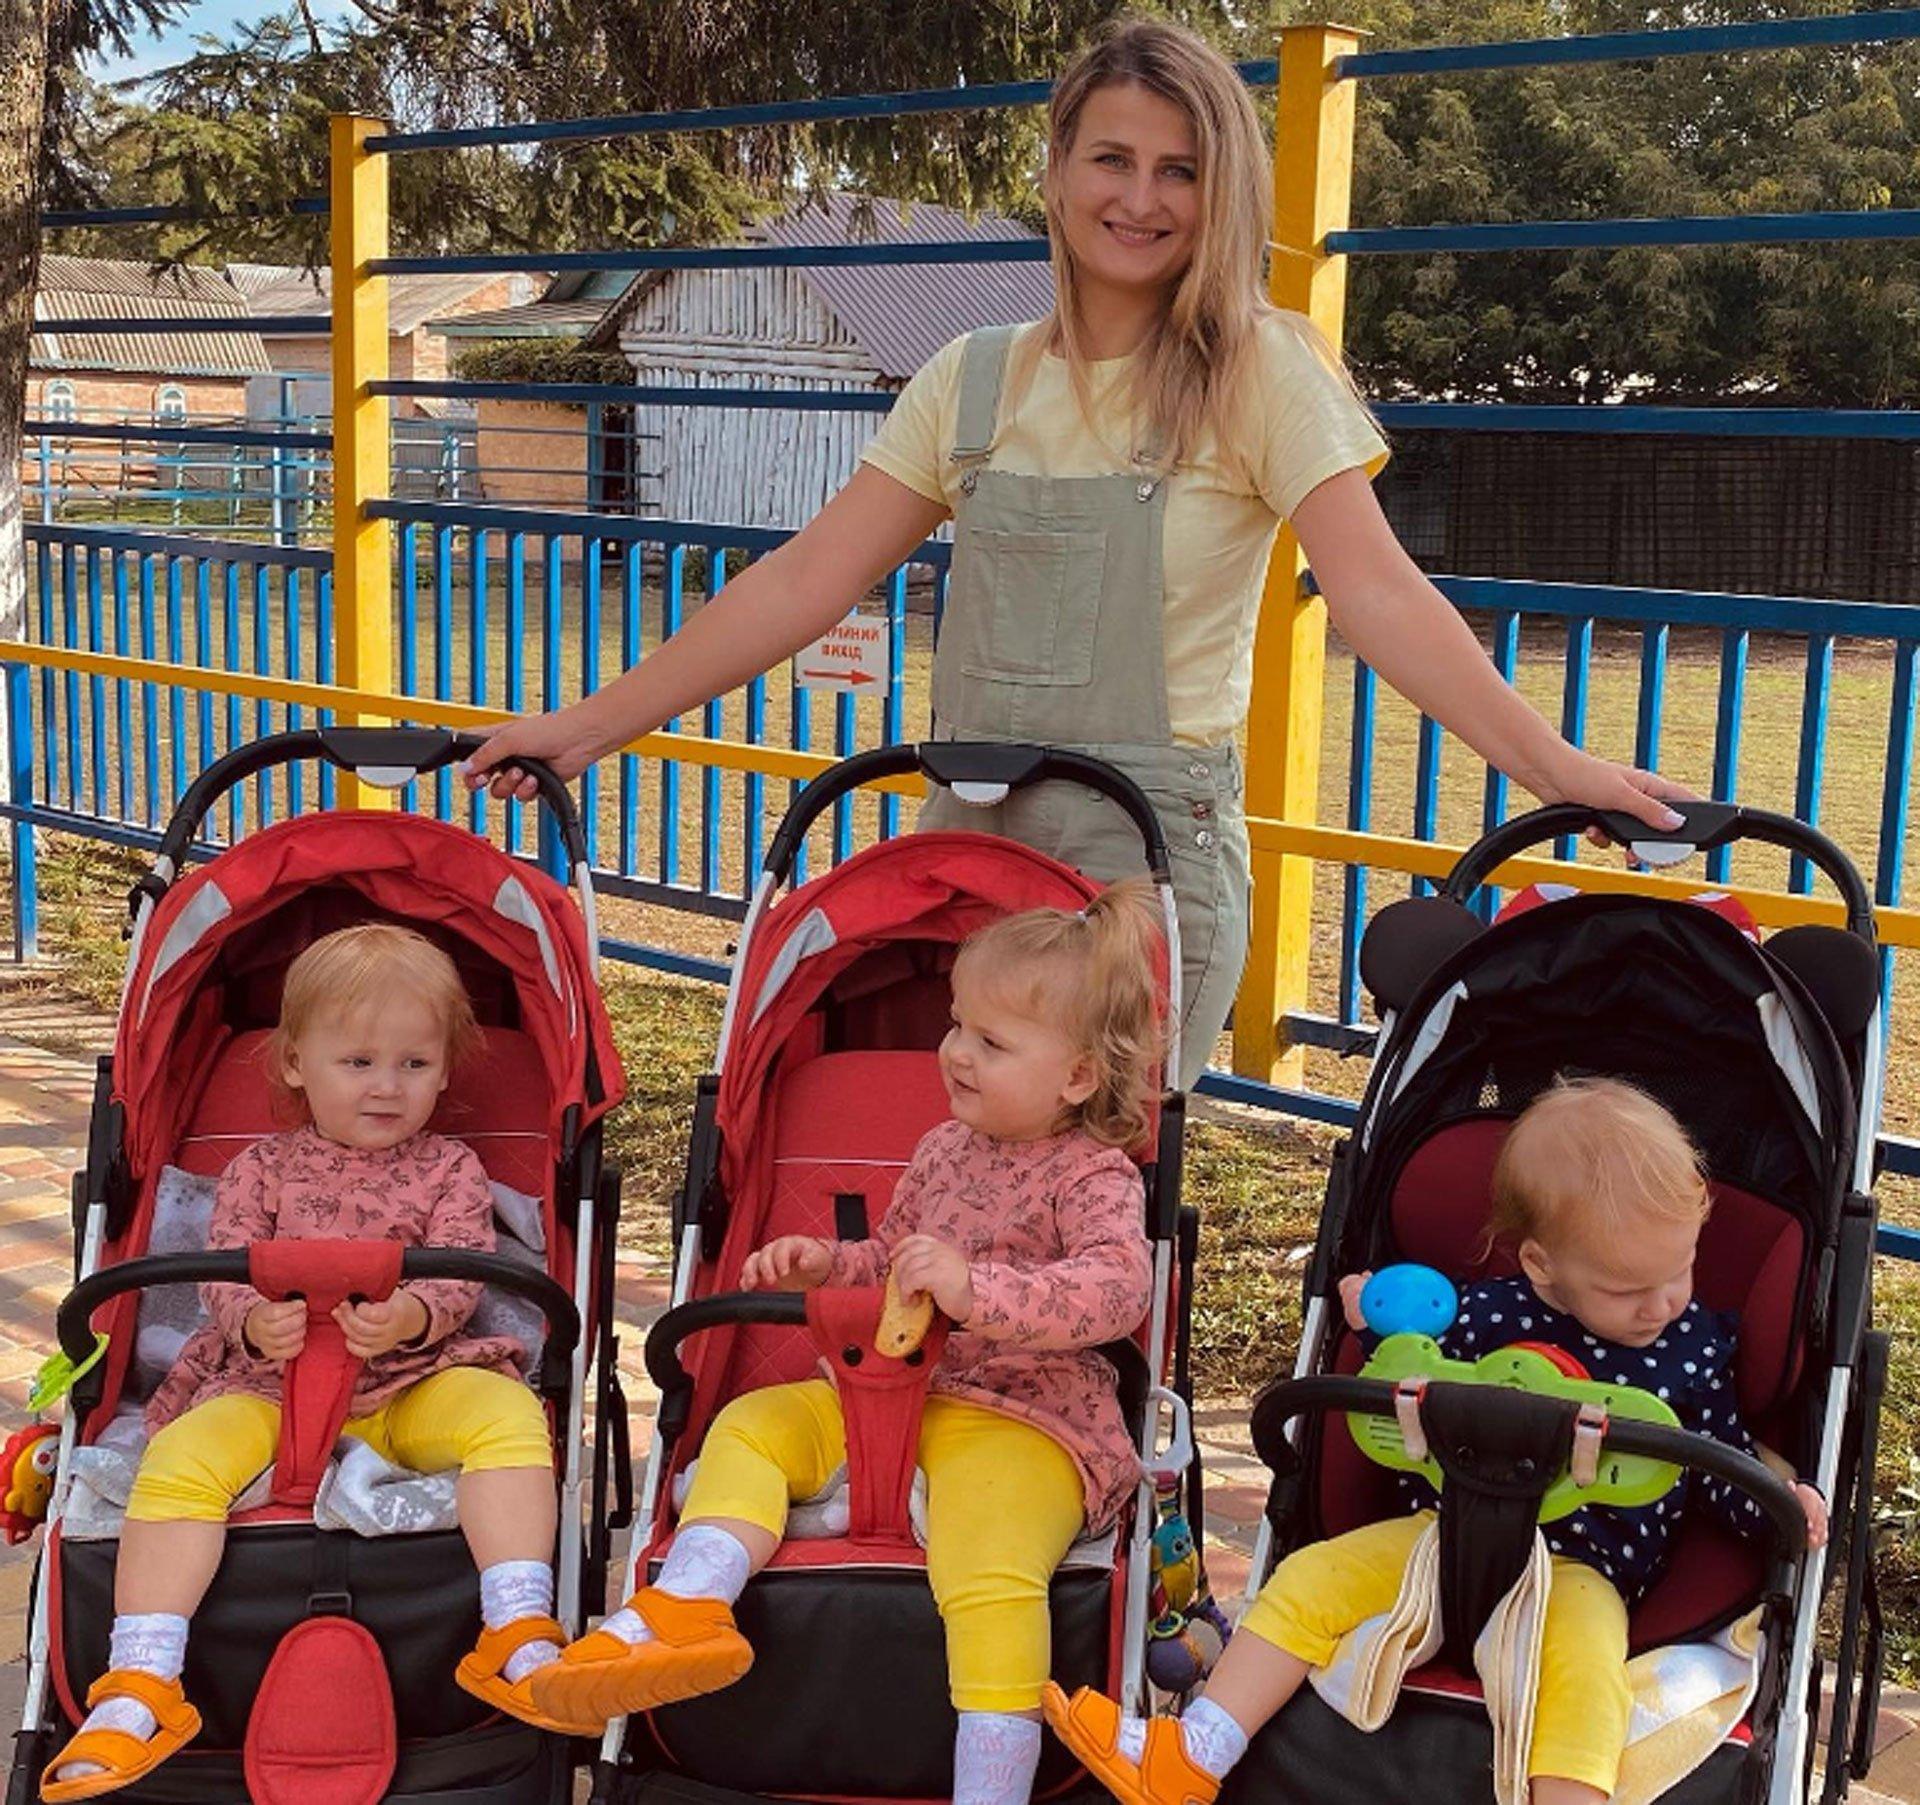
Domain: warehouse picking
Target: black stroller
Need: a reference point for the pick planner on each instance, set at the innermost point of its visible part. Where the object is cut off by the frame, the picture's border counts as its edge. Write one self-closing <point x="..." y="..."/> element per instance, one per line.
<point x="1771" y="1056"/>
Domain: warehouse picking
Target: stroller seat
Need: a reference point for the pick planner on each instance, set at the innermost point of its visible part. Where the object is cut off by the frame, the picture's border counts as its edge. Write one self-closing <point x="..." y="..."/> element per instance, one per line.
<point x="502" y="1086"/>
<point x="1750" y="1264"/>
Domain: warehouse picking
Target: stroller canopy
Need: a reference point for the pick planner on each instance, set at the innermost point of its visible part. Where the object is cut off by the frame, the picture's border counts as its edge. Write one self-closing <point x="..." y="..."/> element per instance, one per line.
<point x="865" y="939"/>
<point x="219" y="942"/>
<point x="1669" y="996"/>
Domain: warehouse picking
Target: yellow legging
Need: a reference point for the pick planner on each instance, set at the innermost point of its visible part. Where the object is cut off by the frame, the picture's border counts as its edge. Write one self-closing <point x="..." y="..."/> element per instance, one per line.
<point x="464" y="1417"/>
<point x="1004" y="1503"/>
<point x="1320" y="1592"/>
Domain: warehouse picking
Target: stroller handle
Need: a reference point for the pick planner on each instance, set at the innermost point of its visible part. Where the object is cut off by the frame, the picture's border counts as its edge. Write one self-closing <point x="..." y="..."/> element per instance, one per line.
<point x="985" y="764"/>
<point x="1704" y="825"/>
<point x="1330" y="1392"/>
<point x="73" y="1323"/>
<point x="385" y="756"/>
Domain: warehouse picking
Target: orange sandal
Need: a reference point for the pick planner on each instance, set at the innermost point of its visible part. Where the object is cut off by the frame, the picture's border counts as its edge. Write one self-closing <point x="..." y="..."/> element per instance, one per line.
<point x="480" y="1673"/>
<point x="695" y="1649"/>
<point x="123" y="1758"/>
<point x="1089" y="1724"/>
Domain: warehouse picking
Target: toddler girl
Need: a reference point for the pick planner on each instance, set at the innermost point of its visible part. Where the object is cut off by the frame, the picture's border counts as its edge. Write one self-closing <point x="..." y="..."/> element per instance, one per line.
<point x="373" y="1020"/>
<point x="1022" y="1218"/>
<point x="1602" y="1195"/>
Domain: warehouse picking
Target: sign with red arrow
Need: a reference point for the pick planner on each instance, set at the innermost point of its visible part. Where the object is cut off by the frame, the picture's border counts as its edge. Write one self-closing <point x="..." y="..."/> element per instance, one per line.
<point x="851" y="657"/>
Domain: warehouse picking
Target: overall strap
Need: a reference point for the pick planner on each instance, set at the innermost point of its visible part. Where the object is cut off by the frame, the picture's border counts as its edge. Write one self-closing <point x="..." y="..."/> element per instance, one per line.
<point x="983" y="369"/>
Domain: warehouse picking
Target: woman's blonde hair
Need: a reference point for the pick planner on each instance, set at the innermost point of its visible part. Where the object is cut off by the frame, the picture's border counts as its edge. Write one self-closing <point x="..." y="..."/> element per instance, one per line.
<point x="344" y="972"/>
<point x="1187" y="374"/>
<point x="1591" y="1154"/>
<point x="1097" y="974"/>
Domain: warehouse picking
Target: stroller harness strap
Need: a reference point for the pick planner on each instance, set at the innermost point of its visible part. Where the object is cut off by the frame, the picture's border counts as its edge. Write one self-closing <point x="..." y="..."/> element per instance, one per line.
<point x="881" y="1401"/>
<point x="317" y="1389"/>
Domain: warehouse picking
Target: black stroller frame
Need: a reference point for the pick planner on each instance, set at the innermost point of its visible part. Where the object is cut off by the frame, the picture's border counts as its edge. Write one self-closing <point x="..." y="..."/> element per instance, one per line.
<point x="1421" y="953"/>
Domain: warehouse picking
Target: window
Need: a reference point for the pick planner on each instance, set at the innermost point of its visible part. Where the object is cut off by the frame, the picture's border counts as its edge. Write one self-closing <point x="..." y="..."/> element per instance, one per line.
<point x="170" y="405"/>
<point x="57" y="401"/>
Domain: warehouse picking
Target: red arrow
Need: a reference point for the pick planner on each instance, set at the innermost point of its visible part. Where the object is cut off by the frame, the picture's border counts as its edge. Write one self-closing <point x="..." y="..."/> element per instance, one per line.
<point x="855" y="677"/>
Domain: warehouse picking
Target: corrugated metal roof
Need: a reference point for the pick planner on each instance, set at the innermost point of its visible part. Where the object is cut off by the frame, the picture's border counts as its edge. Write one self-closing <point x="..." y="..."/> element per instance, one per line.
<point x="538" y="319"/>
<point x="900" y="314"/>
<point x="903" y="313"/>
<point x="106" y="289"/>
<point x="411" y="300"/>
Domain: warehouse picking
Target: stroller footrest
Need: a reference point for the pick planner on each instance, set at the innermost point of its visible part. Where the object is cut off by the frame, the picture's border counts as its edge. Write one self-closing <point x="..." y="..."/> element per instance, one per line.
<point x="322" y="1730"/>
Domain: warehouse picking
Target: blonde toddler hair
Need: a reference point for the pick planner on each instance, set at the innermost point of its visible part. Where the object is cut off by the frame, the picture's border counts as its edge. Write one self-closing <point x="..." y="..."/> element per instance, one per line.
<point x="1095" y="974"/>
<point x="1586" y="1157"/>
<point x="349" y="970"/>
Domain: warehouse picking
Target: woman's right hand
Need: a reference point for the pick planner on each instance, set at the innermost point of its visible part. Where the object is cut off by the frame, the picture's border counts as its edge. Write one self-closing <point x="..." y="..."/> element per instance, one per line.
<point x="792" y="1263"/>
<point x="569" y="740"/>
<point x="1350" y="1288"/>
<point x="277" y="1331"/>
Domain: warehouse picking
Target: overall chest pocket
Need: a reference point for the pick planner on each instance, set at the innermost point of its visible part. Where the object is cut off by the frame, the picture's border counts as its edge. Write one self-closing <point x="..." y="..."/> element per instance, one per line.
<point x="1030" y="605"/>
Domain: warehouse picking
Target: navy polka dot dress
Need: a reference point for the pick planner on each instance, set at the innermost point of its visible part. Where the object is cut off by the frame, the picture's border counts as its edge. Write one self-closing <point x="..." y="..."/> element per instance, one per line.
<point x="1690" y="1366"/>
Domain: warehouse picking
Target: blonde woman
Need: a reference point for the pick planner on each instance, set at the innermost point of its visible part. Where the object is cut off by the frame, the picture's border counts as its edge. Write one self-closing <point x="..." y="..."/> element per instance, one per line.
<point x="1116" y="473"/>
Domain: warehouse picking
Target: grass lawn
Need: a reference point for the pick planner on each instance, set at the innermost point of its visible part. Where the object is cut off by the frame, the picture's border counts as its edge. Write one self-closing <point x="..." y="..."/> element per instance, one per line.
<point x="1258" y="1183"/>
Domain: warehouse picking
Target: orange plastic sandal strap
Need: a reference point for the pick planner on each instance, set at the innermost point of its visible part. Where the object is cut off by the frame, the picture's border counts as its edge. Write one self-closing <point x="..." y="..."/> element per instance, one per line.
<point x="496" y="1648"/>
<point x="164" y="1698"/>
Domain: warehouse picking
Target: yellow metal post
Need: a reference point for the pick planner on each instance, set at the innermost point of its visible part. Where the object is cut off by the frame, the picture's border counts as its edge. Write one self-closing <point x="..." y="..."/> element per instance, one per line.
<point x="362" y="547"/>
<point x="1312" y="187"/>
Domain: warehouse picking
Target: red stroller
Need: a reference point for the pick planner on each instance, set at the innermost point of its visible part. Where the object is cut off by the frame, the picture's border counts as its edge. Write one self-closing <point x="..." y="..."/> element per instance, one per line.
<point x="183" y="1093"/>
<point x="825" y="1080"/>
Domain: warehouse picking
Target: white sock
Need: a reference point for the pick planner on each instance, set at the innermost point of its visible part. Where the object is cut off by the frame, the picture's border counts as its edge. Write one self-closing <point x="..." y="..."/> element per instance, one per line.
<point x="509" y="1591"/>
<point x="1214" y="1742"/>
<point x="153" y="1642"/>
<point x="704" y="1562"/>
<point x="994" y="1758"/>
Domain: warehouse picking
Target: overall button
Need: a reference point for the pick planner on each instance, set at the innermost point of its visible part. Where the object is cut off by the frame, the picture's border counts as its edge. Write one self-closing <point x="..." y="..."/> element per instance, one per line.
<point x="1202" y="811"/>
<point x="1205" y="840"/>
<point x="1198" y="772"/>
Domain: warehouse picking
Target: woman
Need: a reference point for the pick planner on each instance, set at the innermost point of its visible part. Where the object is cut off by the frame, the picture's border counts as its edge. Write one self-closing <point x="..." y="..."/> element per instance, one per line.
<point x="1116" y="473"/>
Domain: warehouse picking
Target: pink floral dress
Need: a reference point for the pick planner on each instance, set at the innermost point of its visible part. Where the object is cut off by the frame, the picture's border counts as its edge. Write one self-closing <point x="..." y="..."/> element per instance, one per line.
<point x="426" y="1192"/>
<point x="1054" y="1234"/>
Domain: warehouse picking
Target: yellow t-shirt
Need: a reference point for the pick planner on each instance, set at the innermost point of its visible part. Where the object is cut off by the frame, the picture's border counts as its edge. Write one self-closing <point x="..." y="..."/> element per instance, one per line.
<point x="1224" y="504"/>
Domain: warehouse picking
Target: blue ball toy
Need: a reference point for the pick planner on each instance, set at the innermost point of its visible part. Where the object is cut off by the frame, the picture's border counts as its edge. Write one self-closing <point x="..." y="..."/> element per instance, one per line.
<point x="1409" y="1300"/>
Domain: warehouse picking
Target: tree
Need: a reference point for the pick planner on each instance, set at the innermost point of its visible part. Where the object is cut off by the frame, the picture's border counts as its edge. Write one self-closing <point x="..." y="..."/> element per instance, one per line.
<point x="41" y="45"/>
<point x="1774" y="131"/>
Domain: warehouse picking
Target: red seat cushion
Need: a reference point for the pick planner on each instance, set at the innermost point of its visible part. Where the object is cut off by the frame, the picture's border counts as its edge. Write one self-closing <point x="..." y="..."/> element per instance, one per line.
<point x="496" y="1103"/>
<point x="844" y="1125"/>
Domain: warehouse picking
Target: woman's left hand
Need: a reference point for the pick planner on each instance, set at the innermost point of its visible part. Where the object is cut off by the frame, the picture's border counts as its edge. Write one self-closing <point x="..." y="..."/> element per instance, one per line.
<point x="923" y="1265"/>
<point x="373" y="1329"/>
<point x="1601" y="784"/>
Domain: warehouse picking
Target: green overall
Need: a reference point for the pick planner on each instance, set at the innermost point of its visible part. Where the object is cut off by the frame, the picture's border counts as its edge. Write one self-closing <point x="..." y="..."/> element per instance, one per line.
<point x="1052" y="636"/>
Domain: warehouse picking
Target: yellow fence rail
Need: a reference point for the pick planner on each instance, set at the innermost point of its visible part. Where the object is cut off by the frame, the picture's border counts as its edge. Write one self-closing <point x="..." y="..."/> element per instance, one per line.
<point x="1274" y="839"/>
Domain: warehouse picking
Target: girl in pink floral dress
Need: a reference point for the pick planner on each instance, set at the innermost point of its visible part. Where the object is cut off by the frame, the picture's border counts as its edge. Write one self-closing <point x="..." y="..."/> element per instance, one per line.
<point x="373" y="1021"/>
<point x="1022" y="1218"/>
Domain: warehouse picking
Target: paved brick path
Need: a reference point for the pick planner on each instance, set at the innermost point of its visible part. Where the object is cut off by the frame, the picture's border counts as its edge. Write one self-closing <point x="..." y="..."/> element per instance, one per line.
<point x="46" y="1085"/>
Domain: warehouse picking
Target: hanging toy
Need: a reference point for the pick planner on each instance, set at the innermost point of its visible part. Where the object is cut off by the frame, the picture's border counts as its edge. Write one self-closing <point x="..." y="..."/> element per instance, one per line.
<point x="1186" y="1630"/>
<point x="1182" y="1656"/>
<point x="28" y="1460"/>
<point x="1172" y="1559"/>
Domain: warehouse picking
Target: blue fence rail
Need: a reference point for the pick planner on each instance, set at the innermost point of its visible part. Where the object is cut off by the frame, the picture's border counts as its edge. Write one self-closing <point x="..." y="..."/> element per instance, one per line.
<point x="484" y="591"/>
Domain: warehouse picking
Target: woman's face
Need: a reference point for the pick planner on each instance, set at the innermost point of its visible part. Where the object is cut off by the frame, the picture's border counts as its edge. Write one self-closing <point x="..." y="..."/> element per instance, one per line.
<point x="1129" y="191"/>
